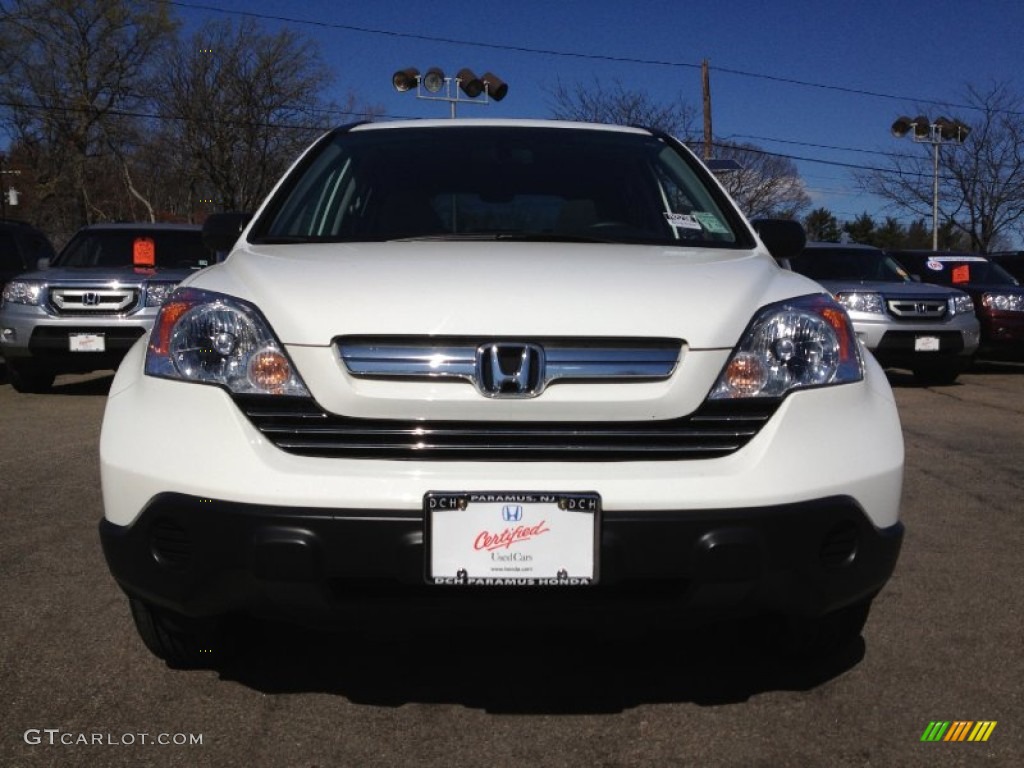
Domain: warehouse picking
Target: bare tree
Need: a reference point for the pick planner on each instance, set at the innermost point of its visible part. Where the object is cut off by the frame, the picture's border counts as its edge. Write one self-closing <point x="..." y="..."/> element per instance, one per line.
<point x="981" y="182"/>
<point x="240" y="104"/>
<point x="615" y="104"/>
<point x="69" y="70"/>
<point x="765" y="184"/>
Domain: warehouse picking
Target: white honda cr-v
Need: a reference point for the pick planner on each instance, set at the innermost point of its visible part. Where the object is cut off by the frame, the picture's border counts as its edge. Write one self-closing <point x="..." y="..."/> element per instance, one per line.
<point x="453" y="362"/>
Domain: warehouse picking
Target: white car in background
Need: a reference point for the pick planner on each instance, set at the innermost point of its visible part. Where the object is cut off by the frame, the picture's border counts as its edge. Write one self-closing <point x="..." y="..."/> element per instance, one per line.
<point x="454" y="361"/>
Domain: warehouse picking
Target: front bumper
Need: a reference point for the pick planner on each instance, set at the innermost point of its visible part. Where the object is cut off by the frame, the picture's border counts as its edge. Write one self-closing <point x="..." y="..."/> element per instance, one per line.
<point x="803" y="519"/>
<point x="897" y="344"/>
<point x="29" y="332"/>
<point x="204" y="557"/>
<point x="1002" y="331"/>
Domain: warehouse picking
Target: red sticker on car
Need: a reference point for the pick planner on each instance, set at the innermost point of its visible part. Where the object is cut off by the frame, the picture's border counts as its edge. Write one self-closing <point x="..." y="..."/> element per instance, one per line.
<point x="144" y="252"/>
<point x="962" y="274"/>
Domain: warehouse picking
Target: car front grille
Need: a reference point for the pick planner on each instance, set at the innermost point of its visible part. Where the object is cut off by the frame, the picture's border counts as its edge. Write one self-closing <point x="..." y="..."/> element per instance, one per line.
<point x="94" y="301"/>
<point x="918" y="308"/>
<point x="300" y="426"/>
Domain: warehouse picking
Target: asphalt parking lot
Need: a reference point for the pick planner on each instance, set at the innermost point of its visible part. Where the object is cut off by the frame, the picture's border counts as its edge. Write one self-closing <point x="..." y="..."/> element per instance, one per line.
<point x="944" y="642"/>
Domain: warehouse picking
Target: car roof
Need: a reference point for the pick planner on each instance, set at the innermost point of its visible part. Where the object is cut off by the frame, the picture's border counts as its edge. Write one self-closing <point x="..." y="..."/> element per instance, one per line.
<point x="927" y="253"/>
<point x="433" y="123"/>
<point x="17" y="224"/>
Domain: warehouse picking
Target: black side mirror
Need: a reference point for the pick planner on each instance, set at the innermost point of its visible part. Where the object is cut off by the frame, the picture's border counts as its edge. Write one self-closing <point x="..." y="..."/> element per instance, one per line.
<point x="221" y="230"/>
<point x="784" y="238"/>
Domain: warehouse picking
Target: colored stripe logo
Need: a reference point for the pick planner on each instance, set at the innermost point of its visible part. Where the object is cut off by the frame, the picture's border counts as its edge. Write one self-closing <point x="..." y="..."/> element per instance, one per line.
<point x="958" y="730"/>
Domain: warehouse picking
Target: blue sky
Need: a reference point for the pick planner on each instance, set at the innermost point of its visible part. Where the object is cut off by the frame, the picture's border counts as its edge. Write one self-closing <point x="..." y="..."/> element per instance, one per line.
<point x="817" y="80"/>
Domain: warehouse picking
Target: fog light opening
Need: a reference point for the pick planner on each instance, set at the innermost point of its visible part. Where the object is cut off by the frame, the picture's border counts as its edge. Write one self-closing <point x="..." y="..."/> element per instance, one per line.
<point x="840" y="545"/>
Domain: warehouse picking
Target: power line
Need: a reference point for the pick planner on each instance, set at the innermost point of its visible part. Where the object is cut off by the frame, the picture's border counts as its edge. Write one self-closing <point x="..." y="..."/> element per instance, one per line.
<point x="370" y="115"/>
<point x="570" y="54"/>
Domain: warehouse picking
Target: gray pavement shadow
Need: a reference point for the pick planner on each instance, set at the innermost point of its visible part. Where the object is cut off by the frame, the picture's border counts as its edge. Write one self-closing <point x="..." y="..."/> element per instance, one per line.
<point x="519" y="667"/>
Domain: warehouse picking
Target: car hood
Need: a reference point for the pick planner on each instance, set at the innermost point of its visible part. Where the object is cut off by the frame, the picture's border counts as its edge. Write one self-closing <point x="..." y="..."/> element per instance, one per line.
<point x="889" y="287"/>
<point x="992" y="288"/>
<point x="312" y="293"/>
<point x="91" y="274"/>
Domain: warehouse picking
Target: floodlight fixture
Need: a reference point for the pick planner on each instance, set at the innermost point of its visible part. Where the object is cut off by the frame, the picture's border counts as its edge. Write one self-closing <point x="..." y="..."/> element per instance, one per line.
<point x="434" y="80"/>
<point x="469" y="83"/>
<point x="497" y="88"/>
<point x="435" y="86"/>
<point x="405" y="79"/>
<point x="902" y="127"/>
<point x="922" y="126"/>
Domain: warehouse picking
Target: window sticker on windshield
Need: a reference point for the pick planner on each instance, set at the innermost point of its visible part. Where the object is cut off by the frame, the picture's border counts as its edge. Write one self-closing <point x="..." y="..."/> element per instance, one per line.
<point x="935" y="266"/>
<point x="681" y="220"/>
<point x="962" y="274"/>
<point x="711" y="222"/>
<point x="144" y="252"/>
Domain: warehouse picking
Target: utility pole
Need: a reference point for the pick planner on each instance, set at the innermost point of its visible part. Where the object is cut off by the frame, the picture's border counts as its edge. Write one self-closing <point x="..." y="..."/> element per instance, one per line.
<point x="706" y="80"/>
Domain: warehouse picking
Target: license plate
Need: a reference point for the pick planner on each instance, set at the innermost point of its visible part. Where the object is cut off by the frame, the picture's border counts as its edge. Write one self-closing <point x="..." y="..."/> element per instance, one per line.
<point x="926" y="344"/>
<point x="512" y="539"/>
<point x="87" y="342"/>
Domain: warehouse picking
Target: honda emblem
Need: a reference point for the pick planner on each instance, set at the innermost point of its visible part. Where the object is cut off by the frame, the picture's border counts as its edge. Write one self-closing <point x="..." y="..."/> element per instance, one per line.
<point x="510" y="369"/>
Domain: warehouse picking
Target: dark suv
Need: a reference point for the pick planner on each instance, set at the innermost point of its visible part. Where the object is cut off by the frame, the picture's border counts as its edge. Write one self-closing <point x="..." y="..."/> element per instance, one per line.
<point x="1012" y="262"/>
<point x="21" y="247"/>
<point x="998" y="297"/>
<point x="94" y="301"/>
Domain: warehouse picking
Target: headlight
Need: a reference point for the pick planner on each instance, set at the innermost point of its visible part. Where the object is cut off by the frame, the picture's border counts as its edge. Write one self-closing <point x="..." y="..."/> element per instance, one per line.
<point x="157" y="293"/>
<point x="24" y="292"/>
<point x="961" y="305"/>
<point x="862" y="302"/>
<point x="1005" y="302"/>
<point x="795" y="344"/>
<point x="210" y="338"/>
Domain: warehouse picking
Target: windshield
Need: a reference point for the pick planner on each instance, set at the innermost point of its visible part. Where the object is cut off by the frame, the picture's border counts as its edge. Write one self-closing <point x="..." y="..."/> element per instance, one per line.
<point x="167" y="249"/>
<point x="499" y="183"/>
<point x="956" y="270"/>
<point x="853" y="264"/>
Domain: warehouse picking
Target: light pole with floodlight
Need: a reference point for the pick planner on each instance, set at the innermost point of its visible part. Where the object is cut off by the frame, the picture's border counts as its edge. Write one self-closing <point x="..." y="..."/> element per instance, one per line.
<point x="923" y="131"/>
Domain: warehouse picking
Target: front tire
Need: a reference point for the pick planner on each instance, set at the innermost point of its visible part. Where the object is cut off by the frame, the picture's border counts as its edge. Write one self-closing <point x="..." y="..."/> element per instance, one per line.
<point x="936" y="376"/>
<point x="180" y="641"/>
<point x="29" y="377"/>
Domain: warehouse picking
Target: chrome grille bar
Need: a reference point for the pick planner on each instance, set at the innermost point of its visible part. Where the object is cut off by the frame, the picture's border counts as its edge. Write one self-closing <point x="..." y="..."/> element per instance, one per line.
<point x="622" y="360"/>
<point x="93" y="301"/>
<point x="917" y="309"/>
<point x="301" y="427"/>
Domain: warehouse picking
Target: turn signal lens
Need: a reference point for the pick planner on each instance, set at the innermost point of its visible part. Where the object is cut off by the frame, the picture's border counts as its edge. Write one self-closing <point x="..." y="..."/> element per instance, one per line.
<point x="270" y="371"/>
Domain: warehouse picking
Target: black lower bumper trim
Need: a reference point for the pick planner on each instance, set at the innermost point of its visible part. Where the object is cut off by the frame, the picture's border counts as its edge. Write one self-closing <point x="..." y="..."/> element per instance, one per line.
<point x="203" y="557"/>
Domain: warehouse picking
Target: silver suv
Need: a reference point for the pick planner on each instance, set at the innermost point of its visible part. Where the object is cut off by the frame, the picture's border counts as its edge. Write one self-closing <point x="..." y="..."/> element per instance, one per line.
<point x="930" y="329"/>
<point x="102" y="292"/>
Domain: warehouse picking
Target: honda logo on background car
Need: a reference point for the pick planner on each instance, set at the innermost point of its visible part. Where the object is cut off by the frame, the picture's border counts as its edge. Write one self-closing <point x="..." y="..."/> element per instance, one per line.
<point x="510" y="369"/>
